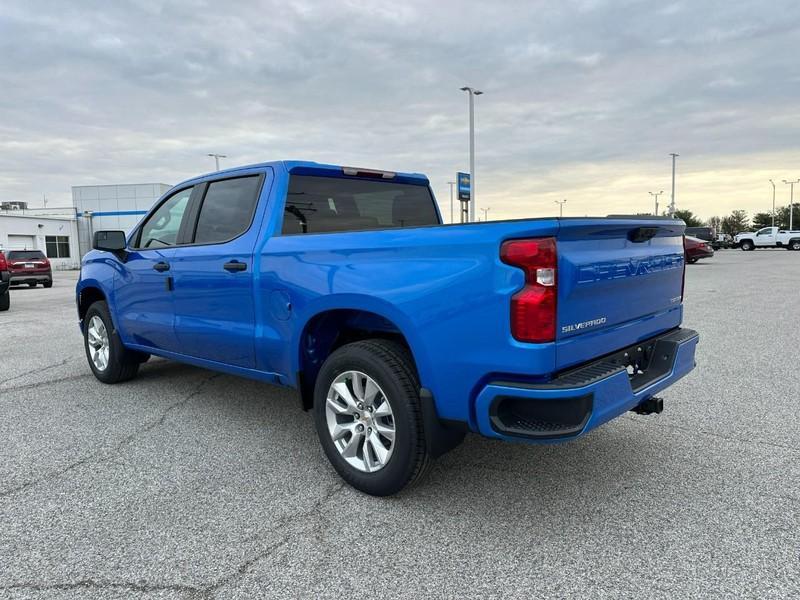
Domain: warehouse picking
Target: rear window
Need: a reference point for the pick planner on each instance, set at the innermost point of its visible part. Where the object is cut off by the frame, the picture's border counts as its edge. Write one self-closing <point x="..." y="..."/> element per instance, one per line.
<point x="25" y="255"/>
<point x="326" y="204"/>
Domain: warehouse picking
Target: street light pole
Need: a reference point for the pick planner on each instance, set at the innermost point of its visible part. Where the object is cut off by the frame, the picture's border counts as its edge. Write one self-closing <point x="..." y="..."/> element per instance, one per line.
<point x="773" y="202"/>
<point x="472" y="93"/>
<point x="560" y="207"/>
<point x="656" y="195"/>
<point x="486" y="213"/>
<point x="791" y="200"/>
<point x="451" y="184"/>
<point x="672" y="202"/>
<point x="217" y="157"/>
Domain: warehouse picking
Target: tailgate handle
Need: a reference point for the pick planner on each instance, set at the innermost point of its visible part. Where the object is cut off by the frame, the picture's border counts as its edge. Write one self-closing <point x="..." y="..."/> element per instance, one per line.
<point x="642" y="234"/>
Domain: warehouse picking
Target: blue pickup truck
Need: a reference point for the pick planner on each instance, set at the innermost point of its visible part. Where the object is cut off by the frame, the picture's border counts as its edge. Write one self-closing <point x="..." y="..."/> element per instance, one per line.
<point x="401" y="334"/>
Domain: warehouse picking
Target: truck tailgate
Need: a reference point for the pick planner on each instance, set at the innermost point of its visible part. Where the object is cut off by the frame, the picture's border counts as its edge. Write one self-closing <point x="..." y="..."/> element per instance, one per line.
<point x="619" y="282"/>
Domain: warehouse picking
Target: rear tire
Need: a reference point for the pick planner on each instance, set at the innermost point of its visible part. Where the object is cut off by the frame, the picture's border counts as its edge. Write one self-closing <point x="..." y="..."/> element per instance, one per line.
<point x="5" y="301"/>
<point x="354" y="454"/>
<point x="108" y="359"/>
<point x="32" y="284"/>
<point x="48" y="284"/>
<point x="794" y="245"/>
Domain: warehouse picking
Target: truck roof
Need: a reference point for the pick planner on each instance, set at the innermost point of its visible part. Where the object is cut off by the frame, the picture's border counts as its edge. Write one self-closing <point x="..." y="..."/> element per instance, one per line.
<point x="310" y="168"/>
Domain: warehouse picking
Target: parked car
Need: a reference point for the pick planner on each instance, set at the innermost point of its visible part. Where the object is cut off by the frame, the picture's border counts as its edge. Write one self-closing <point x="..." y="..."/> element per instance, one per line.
<point x="697" y="249"/>
<point x="703" y="233"/>
<point x="31" y="267"/>
<point x="769" y="237"/>
<point x="5" y="278"/>
<point x="401" y="334"/>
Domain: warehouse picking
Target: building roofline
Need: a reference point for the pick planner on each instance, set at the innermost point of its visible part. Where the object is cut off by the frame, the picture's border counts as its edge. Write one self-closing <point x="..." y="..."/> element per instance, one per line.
<point x="169" y="185"/>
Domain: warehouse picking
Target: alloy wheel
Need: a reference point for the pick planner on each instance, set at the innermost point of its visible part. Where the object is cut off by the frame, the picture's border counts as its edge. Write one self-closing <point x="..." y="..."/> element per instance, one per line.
<point x="360" y="421"/>
<point x="97" y="337"/>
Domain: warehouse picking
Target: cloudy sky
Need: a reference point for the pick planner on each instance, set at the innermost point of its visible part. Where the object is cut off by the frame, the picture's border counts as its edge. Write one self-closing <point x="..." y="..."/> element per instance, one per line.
<point x="583" y="100"/>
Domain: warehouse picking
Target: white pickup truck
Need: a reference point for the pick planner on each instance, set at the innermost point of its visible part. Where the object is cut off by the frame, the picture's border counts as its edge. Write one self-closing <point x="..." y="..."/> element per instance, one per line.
<point x="768" y="237"/>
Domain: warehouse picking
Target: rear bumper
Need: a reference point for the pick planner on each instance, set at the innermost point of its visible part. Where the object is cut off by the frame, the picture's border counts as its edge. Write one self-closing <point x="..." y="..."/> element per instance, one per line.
<point x="700" y="253"/>
<point x="585" y="397"/>
<point x="31" y="277"/>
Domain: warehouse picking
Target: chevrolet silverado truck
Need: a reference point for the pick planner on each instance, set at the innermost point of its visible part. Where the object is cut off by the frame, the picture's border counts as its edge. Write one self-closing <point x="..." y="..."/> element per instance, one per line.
<point x="768" y="237"/>
<point x="401" y="334"/>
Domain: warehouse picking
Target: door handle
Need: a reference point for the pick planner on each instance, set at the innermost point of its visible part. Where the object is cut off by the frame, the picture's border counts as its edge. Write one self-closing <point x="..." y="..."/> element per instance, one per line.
<point x="161" y="267"/>
<point x="234" y="266"/>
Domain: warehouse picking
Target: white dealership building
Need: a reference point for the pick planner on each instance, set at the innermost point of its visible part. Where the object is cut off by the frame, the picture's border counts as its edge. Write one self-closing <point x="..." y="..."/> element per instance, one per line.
<point x="65" y="234"/>
<point x="99" y="207"/>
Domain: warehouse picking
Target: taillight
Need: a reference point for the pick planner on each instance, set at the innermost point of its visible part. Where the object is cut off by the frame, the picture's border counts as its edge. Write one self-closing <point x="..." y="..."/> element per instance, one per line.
<point x="3" y="263"/>
<point x="533" y="308"/>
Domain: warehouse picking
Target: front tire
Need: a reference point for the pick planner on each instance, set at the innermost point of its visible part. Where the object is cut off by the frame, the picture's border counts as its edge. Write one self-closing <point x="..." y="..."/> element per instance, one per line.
<point x="108" y="359"/>
<point x="747" y="245"/>
<point x="32" y="284"/>
<point x="368" y="416"/>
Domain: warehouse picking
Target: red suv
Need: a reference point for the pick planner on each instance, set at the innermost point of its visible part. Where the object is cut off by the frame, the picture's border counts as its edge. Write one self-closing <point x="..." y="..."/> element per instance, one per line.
<point x="29" y="266"/>
<point x="5" y="297"/>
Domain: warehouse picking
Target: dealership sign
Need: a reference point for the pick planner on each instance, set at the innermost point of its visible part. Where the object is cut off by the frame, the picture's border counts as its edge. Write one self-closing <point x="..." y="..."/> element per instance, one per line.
<point x="464" y="189"/>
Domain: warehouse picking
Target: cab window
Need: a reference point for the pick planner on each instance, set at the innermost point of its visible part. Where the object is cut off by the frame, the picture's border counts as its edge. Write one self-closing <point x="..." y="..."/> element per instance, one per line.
<point x="161" y="228"/>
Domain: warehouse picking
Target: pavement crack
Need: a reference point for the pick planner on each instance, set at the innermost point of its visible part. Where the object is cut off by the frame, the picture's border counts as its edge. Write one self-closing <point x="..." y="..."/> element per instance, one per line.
<point x="37" y="370"/>
<point x="265" y="553"/>
<point x="41" y="384"/>
<point x="94" y="584"/>
<point x="105" y="455"/>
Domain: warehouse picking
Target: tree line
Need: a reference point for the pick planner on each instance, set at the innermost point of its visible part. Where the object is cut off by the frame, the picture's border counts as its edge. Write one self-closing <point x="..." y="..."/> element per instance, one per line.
<point x="738" y="220"/>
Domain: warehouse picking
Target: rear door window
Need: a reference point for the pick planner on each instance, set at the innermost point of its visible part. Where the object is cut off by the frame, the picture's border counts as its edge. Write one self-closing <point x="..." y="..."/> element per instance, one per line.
<point x="227" y="209"/>
<point x="326" y="204"/>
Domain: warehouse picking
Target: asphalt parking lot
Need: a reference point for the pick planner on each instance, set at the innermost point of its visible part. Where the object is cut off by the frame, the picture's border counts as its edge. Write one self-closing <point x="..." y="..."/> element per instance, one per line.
<point x="189" y="484"/>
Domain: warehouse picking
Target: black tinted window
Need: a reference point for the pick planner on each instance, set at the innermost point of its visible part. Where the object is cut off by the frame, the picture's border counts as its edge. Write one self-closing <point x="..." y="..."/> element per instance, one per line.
<point x="227" y="209"/>
<point x="320" y="204"/>
<point x="25" y="255"/>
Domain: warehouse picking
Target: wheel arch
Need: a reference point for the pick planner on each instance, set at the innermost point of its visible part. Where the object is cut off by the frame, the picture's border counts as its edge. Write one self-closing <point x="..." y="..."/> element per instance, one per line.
<point x="87" y="296"/>
<point x="331" y="328"/>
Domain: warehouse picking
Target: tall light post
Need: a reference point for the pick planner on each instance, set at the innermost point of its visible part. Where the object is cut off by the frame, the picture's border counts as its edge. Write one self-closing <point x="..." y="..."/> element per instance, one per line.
<point x="451" y="184"/>
<point x="656" y="195"/>
<point x="472" y="92"/>
<point x="561" y="204"/>
<point x="486" y="213"/>
<point x="773" y="202"/>
<point x="217" y="157"/>
<point x="791" y="199"/>
<point x="672" y="202"/>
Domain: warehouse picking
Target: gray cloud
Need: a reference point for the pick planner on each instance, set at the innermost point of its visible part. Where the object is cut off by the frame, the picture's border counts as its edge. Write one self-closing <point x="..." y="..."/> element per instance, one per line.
<point x="97" y="92"/>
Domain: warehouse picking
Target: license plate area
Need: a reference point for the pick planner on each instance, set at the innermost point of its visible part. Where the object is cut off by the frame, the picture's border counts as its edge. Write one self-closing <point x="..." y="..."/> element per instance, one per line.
<point x="646" y="362"/>
<point x="28" y="265"/>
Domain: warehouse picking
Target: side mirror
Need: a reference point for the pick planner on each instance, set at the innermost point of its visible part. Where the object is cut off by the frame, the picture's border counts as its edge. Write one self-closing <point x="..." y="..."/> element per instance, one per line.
<point x="110" y="241"/>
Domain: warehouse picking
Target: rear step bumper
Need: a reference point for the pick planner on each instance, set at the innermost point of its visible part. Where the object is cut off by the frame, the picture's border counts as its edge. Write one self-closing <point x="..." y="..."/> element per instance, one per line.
<point x="585" y="397"/>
